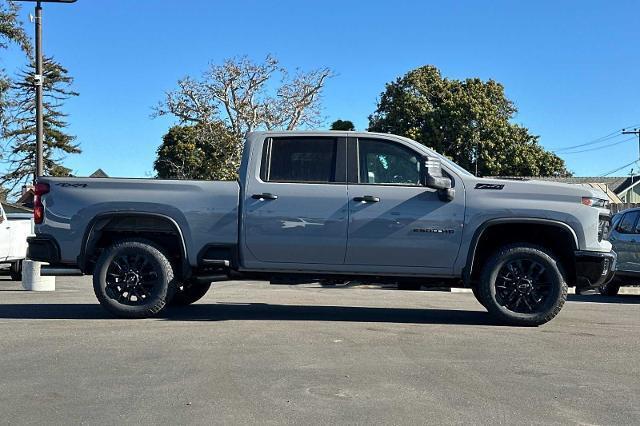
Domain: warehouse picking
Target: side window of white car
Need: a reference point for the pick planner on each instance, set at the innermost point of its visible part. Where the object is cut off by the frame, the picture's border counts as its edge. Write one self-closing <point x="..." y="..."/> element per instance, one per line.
<point x="628" y="222"/>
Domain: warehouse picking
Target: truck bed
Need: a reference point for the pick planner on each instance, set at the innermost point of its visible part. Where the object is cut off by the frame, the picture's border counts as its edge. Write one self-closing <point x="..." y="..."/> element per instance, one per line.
<point x="205" y="212"/>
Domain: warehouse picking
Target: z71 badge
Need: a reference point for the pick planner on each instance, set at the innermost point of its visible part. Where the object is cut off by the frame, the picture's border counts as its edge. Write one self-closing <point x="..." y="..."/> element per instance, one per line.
<point x="495" y="186"/>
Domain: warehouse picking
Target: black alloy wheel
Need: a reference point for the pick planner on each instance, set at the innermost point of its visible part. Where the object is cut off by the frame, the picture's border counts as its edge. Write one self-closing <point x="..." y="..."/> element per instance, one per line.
<point x="524" y="286"/>
<point x="132" y="278"/>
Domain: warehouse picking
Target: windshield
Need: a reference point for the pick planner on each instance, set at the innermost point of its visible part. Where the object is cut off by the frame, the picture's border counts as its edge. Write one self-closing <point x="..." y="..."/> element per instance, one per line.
<point x="454" y="166"/>
<point x="448" y="163"/>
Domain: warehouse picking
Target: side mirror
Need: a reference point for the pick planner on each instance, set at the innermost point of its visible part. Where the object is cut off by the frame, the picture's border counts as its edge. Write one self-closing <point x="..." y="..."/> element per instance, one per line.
<point x="432" y="177"/>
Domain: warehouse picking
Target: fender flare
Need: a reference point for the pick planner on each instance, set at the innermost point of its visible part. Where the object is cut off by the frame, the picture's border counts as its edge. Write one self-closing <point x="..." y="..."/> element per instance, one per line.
<point x="471" y="254"/>
<point x="89" y="237"/>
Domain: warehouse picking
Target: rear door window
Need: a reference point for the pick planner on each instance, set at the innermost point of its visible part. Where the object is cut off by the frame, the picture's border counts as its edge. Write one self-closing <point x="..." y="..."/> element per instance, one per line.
<point x="299" y="160"/>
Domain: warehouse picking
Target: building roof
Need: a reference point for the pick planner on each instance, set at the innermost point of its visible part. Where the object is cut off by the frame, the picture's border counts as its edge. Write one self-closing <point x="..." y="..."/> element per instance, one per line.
<point x="99" y="174"/>
<point x="617" y="184"/>
<point x="14" y="208"/>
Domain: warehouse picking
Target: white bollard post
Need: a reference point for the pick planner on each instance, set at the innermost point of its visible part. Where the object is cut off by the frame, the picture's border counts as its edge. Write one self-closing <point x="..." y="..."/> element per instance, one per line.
<point x="31" y="279"/>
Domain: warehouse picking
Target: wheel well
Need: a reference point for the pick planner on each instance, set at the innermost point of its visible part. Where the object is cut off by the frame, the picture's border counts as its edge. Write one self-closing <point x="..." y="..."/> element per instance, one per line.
<point x="161" y="231"/>
<point x="558" y="240"/>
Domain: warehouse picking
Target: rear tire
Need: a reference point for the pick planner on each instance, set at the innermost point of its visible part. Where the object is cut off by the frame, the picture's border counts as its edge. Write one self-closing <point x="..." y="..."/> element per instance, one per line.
<point x="523" y="285"/>
<point x="610" y="289"/>
<point x="16" y="271"/>
<point x="188" y="293"/>
<point x="478" y="296"/>
<point x="133" y="279"/>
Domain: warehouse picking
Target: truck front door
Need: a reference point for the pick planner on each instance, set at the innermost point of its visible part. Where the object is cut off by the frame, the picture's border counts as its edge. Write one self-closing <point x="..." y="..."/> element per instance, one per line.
<point x="295" y="203"/>
<point x="394" y="221"/>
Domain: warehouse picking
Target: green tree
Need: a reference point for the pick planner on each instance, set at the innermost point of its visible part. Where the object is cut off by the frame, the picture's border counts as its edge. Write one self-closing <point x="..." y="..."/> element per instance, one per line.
<point x="468" y="120"/>
<point x="234" y="98"/>
<point x="11" y="32"/>
<point x="20" y="134"/>
<point x="344" y="125"/>
<point x="187" y="152"/>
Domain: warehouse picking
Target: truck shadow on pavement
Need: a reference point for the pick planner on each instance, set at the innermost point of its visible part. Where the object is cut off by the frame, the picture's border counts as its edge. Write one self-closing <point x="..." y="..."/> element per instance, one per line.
<point x="258" y="311"/>
<point x="630" y="299"/>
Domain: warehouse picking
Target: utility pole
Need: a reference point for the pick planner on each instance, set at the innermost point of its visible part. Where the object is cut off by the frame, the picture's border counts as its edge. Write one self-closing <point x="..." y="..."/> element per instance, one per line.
<point x="38" y="80"/>
<point x="633" y="132"/>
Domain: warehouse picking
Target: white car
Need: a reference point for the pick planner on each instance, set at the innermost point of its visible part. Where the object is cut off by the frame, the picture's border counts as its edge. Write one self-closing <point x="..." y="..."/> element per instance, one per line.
<point x="14" y="231"/>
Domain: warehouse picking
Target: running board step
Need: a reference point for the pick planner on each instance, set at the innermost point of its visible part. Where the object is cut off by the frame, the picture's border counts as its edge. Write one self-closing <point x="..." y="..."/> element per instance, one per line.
<point x="220" y="263"/>
<point x="210" y="278"/>
<point x="52" y="271"/>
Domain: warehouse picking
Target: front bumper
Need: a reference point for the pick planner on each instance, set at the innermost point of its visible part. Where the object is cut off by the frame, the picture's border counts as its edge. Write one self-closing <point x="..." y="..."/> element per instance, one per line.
<point x="594" y="269"/>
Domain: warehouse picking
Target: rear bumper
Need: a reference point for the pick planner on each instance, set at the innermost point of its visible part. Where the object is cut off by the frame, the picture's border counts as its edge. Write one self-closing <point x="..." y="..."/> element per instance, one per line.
<point x="594" y="269"/>
<point x="43" y="248"/>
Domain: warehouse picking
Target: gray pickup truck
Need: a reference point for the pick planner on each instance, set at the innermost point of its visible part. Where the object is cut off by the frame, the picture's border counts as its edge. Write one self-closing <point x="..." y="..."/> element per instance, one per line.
<point x="328" y="205"/>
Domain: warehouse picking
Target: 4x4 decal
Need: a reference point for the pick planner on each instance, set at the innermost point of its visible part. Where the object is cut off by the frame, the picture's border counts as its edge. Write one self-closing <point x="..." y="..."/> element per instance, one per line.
<point x="72" y="185"/>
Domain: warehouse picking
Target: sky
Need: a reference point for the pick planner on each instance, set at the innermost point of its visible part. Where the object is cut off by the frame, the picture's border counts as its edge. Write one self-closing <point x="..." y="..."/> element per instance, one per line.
<point x="572" y="68"/>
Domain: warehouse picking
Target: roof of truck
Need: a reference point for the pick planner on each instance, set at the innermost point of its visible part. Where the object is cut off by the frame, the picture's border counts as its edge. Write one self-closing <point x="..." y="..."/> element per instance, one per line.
<point x="320" y="133"/>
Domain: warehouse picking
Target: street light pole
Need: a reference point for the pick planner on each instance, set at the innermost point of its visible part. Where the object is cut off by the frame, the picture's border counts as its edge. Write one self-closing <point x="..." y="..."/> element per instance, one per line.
<point x="39" y="80"/>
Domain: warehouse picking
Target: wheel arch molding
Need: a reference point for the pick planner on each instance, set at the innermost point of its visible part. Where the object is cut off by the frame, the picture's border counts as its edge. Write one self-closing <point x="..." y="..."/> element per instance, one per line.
<point x="117" y="222"/>
<point x="524" y="223"/>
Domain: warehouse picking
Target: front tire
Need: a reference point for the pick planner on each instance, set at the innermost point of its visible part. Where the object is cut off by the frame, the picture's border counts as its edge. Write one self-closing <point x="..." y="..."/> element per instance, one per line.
<point x="16" y="271"/>
<point x="523" y="284"/>
<point x="188" y="293"/>
<point x="610" y="289"/>
<point x="133" y="279"/>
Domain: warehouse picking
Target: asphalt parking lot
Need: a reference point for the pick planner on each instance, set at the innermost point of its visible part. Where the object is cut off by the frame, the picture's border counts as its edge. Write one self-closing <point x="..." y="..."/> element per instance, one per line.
<point x="254" y="353"/>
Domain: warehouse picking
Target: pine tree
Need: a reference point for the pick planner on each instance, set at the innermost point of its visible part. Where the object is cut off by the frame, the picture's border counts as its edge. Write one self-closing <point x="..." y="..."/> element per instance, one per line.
<point x="20" y="136"/>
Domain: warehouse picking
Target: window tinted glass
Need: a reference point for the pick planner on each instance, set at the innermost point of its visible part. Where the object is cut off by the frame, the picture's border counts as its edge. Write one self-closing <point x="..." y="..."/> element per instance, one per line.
<point x="383" y="162"/>
<point x="627" y="223"/>
<point x="300" y="160"/>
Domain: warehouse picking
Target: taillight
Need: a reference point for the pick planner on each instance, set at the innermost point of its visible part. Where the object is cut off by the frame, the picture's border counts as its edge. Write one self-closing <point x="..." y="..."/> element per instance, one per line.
<point x="38" y="208"/>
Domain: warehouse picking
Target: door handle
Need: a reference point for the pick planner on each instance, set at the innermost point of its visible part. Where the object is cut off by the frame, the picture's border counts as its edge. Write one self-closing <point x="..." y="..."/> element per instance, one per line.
<point x="264" y="196"/>
<point x="367" y="199"/>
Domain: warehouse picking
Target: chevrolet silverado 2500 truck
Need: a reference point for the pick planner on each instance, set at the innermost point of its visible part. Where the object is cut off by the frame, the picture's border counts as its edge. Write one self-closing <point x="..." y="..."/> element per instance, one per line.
<point x="317" y="205"/>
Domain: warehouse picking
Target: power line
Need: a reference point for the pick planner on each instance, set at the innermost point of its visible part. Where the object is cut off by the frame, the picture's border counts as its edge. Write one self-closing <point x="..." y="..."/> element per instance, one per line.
<point x="619" y="168"/>
<point x="599" y="147"/>
<point x="601" y="139"/>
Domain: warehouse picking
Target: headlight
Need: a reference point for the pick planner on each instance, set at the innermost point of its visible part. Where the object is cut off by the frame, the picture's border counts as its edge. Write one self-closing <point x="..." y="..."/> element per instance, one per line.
<point x="595" y="202"/>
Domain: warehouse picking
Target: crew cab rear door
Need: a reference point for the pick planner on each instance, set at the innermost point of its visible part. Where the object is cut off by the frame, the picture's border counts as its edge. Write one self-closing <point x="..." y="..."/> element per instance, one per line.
<point x="395" y="221"/>
<point x="295" y="203"/>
